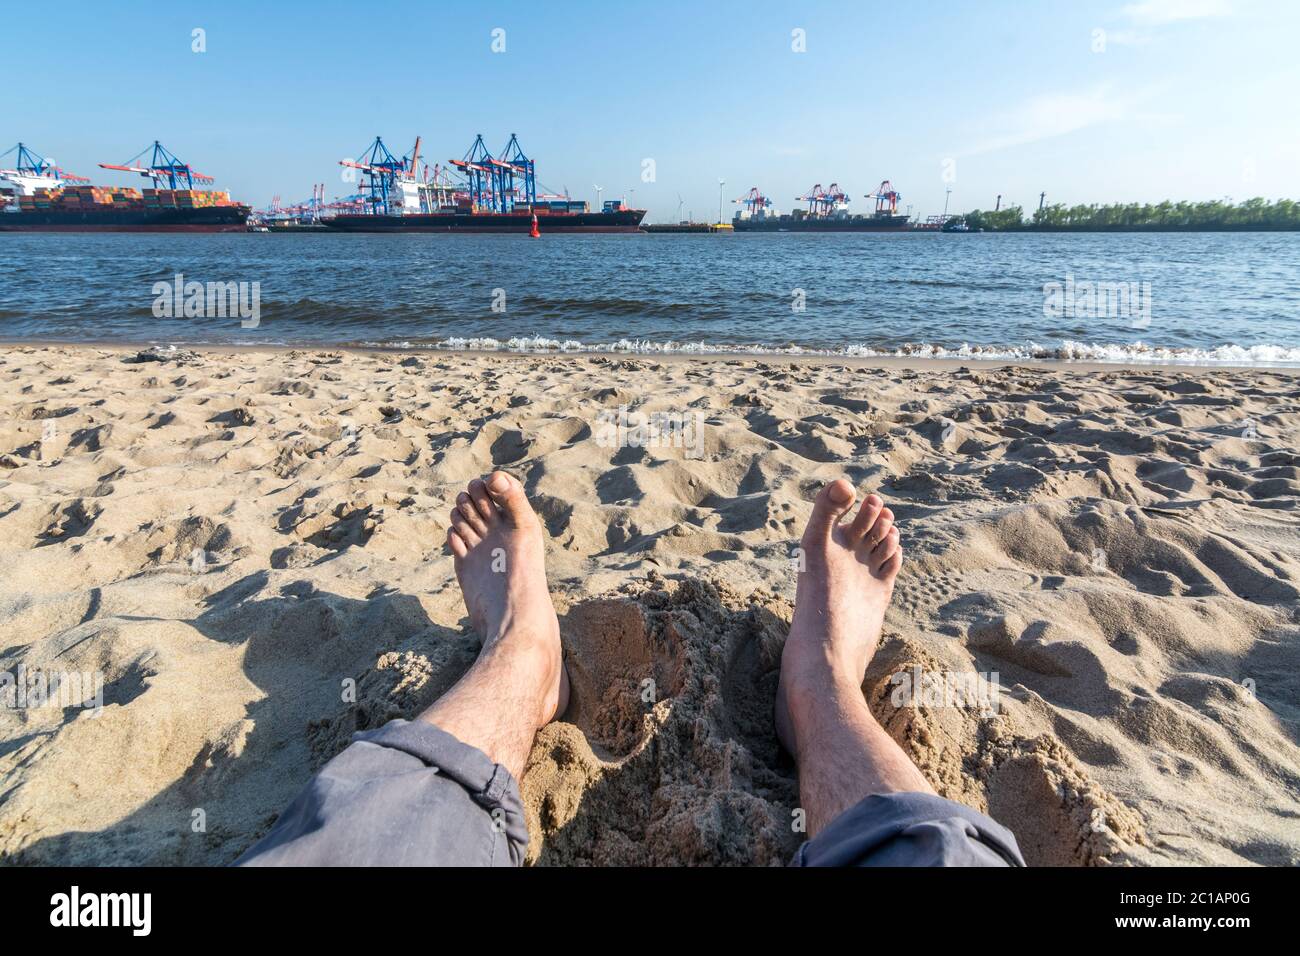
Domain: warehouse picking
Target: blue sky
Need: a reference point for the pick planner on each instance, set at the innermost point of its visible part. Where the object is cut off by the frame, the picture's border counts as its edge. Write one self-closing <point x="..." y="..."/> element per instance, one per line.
<point x="1177" y="99"/>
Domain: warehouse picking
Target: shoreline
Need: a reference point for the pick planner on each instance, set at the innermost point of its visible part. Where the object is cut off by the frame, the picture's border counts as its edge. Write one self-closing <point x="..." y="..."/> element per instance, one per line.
<point x="918" y="362"/>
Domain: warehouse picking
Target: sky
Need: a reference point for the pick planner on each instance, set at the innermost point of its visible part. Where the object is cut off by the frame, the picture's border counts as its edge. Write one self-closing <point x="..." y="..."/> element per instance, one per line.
<point x="1087" y="101"/>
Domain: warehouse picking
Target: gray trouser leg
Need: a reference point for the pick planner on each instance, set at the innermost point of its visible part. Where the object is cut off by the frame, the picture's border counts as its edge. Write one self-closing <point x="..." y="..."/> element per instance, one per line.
<point x="407" y="794"/>
<point x="910" y="829"/>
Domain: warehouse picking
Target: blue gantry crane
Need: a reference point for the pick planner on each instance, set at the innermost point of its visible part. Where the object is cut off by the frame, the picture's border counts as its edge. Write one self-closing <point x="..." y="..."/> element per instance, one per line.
<point x="30" y="164"/>
<point x="381" y="170"/>
<point x="491" y="183"/>
<point x="517" y="164"/>
<point x="498" y="183"/>
<point x="163" y="167"/>
<point x="481" y="174"/>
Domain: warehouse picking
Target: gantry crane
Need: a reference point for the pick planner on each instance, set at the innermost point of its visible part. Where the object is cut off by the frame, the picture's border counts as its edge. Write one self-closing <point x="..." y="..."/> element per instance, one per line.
<point x="163" y="167"/>
<point x="381" y="169"/>
<point x="818" y="203"/>
<point x="32" y="171"/>
<point x="480" y="175"/>
<point x="517" y="164"/>
<point x="498" y="183"/>
<point x="886" y="199"/>
<point x="754" y="201"/>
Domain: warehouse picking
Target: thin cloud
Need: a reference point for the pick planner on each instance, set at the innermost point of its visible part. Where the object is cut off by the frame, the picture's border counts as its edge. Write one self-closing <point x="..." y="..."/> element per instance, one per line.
<point x="1127" y="38"/>
<point x="1154" y="13"/>
<point x="1054" y="114"/>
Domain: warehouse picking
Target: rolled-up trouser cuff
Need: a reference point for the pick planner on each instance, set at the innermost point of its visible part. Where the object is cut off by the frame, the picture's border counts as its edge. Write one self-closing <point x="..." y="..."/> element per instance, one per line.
<point x="910" y="829"/>
<point x="407" y="793"/>
<point x="492" y="786"/>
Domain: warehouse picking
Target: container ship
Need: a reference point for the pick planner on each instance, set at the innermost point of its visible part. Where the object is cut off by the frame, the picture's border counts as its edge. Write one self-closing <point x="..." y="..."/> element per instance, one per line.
<point x="828" y="211"/>
<point x="612" y="218"/>
<point x="495" y="194"/>
<point x="37" y="196"/>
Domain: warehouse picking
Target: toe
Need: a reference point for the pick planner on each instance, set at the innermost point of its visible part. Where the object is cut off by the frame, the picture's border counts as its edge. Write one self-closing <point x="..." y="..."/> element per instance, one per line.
<point x="465" y="505"/>
<point x="479" y="495"/>
<point x="508" y="494"/>
<point x="456" y="543"/>
<point x="461" y="525"/>
<point x="884" y="550"/>
<point x="833" y="500"/>
<point x="867" y="515"/>
<point x="889" y="570"/>
<point x="880" y="529"/>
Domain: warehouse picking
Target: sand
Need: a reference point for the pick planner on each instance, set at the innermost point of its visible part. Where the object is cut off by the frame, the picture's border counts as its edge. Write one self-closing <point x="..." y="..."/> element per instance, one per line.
<point x="249" y="548"/>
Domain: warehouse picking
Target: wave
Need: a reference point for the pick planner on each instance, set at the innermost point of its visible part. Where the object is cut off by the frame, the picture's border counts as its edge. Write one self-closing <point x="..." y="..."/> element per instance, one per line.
<point x="1065" y="351"/>
<point x="609" y="306"/>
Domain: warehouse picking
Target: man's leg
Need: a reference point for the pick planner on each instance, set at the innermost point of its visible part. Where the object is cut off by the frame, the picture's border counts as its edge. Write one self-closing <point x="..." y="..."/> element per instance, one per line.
<point x="442" y="789"/>
<point x="856" y="785"/>
<point x="518" y="683"/>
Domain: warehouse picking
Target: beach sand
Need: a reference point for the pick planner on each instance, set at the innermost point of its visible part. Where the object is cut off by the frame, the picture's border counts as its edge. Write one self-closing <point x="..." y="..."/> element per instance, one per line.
<point x="249" y="547"/>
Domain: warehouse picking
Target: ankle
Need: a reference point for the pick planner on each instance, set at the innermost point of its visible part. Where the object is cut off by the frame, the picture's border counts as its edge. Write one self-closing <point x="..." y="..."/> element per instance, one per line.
<point x="524" y="633"/>
<point x="818" y="670"/>
<point x="535" y="658"/>
<point x="817" y="684"/>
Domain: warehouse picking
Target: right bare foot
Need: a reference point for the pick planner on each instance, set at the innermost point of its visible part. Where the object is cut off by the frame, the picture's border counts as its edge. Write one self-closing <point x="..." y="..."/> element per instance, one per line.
<point x="500" y="564"/>
<point x="840" y="601"/>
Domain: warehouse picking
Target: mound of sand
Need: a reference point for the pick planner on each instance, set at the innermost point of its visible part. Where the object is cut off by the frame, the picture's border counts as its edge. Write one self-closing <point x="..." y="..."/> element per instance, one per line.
<point x="248" y="550"/>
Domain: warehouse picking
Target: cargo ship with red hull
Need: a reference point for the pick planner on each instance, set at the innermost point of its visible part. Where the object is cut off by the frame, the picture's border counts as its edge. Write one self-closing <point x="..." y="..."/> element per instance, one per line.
<point x="490" y="194"/>
<point x="217" y="219"/>
<point x="519" y="221"/>
<point x="37" y="196"/>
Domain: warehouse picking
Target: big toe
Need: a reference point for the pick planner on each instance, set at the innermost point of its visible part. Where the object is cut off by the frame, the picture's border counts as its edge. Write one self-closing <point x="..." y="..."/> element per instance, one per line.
<point x="509" y="496"/>
<point x="831" y="504"/>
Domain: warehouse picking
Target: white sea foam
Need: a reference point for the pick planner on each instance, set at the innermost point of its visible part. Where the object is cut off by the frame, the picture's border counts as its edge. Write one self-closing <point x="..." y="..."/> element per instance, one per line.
<point x="1065" y="351"/>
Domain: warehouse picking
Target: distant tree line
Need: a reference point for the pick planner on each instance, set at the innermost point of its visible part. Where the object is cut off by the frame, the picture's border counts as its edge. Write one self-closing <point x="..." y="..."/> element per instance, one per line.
<point x="1214" y="216"/>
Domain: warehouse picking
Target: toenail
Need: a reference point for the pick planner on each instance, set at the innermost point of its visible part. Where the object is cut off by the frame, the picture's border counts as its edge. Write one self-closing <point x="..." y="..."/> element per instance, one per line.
<point x="499" y="483"/>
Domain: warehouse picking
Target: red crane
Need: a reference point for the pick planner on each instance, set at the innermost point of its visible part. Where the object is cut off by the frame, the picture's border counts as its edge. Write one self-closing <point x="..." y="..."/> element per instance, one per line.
<point x="886" y="199"/>
<point x="820" y="201"/>
<point x="754" y="201"/>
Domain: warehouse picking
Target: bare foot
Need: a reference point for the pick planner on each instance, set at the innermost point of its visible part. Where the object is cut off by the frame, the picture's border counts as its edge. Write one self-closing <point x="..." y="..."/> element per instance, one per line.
<point x="840" y="601"/>
<point x="500" y="563"/>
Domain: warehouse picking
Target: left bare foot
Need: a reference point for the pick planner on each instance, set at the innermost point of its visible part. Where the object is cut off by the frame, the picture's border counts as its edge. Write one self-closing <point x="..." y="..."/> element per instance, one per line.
<point x="500" y="564"/>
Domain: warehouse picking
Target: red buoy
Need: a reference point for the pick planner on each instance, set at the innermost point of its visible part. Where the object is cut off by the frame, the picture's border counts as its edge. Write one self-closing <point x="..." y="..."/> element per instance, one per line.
<point x="535" y="232"/>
